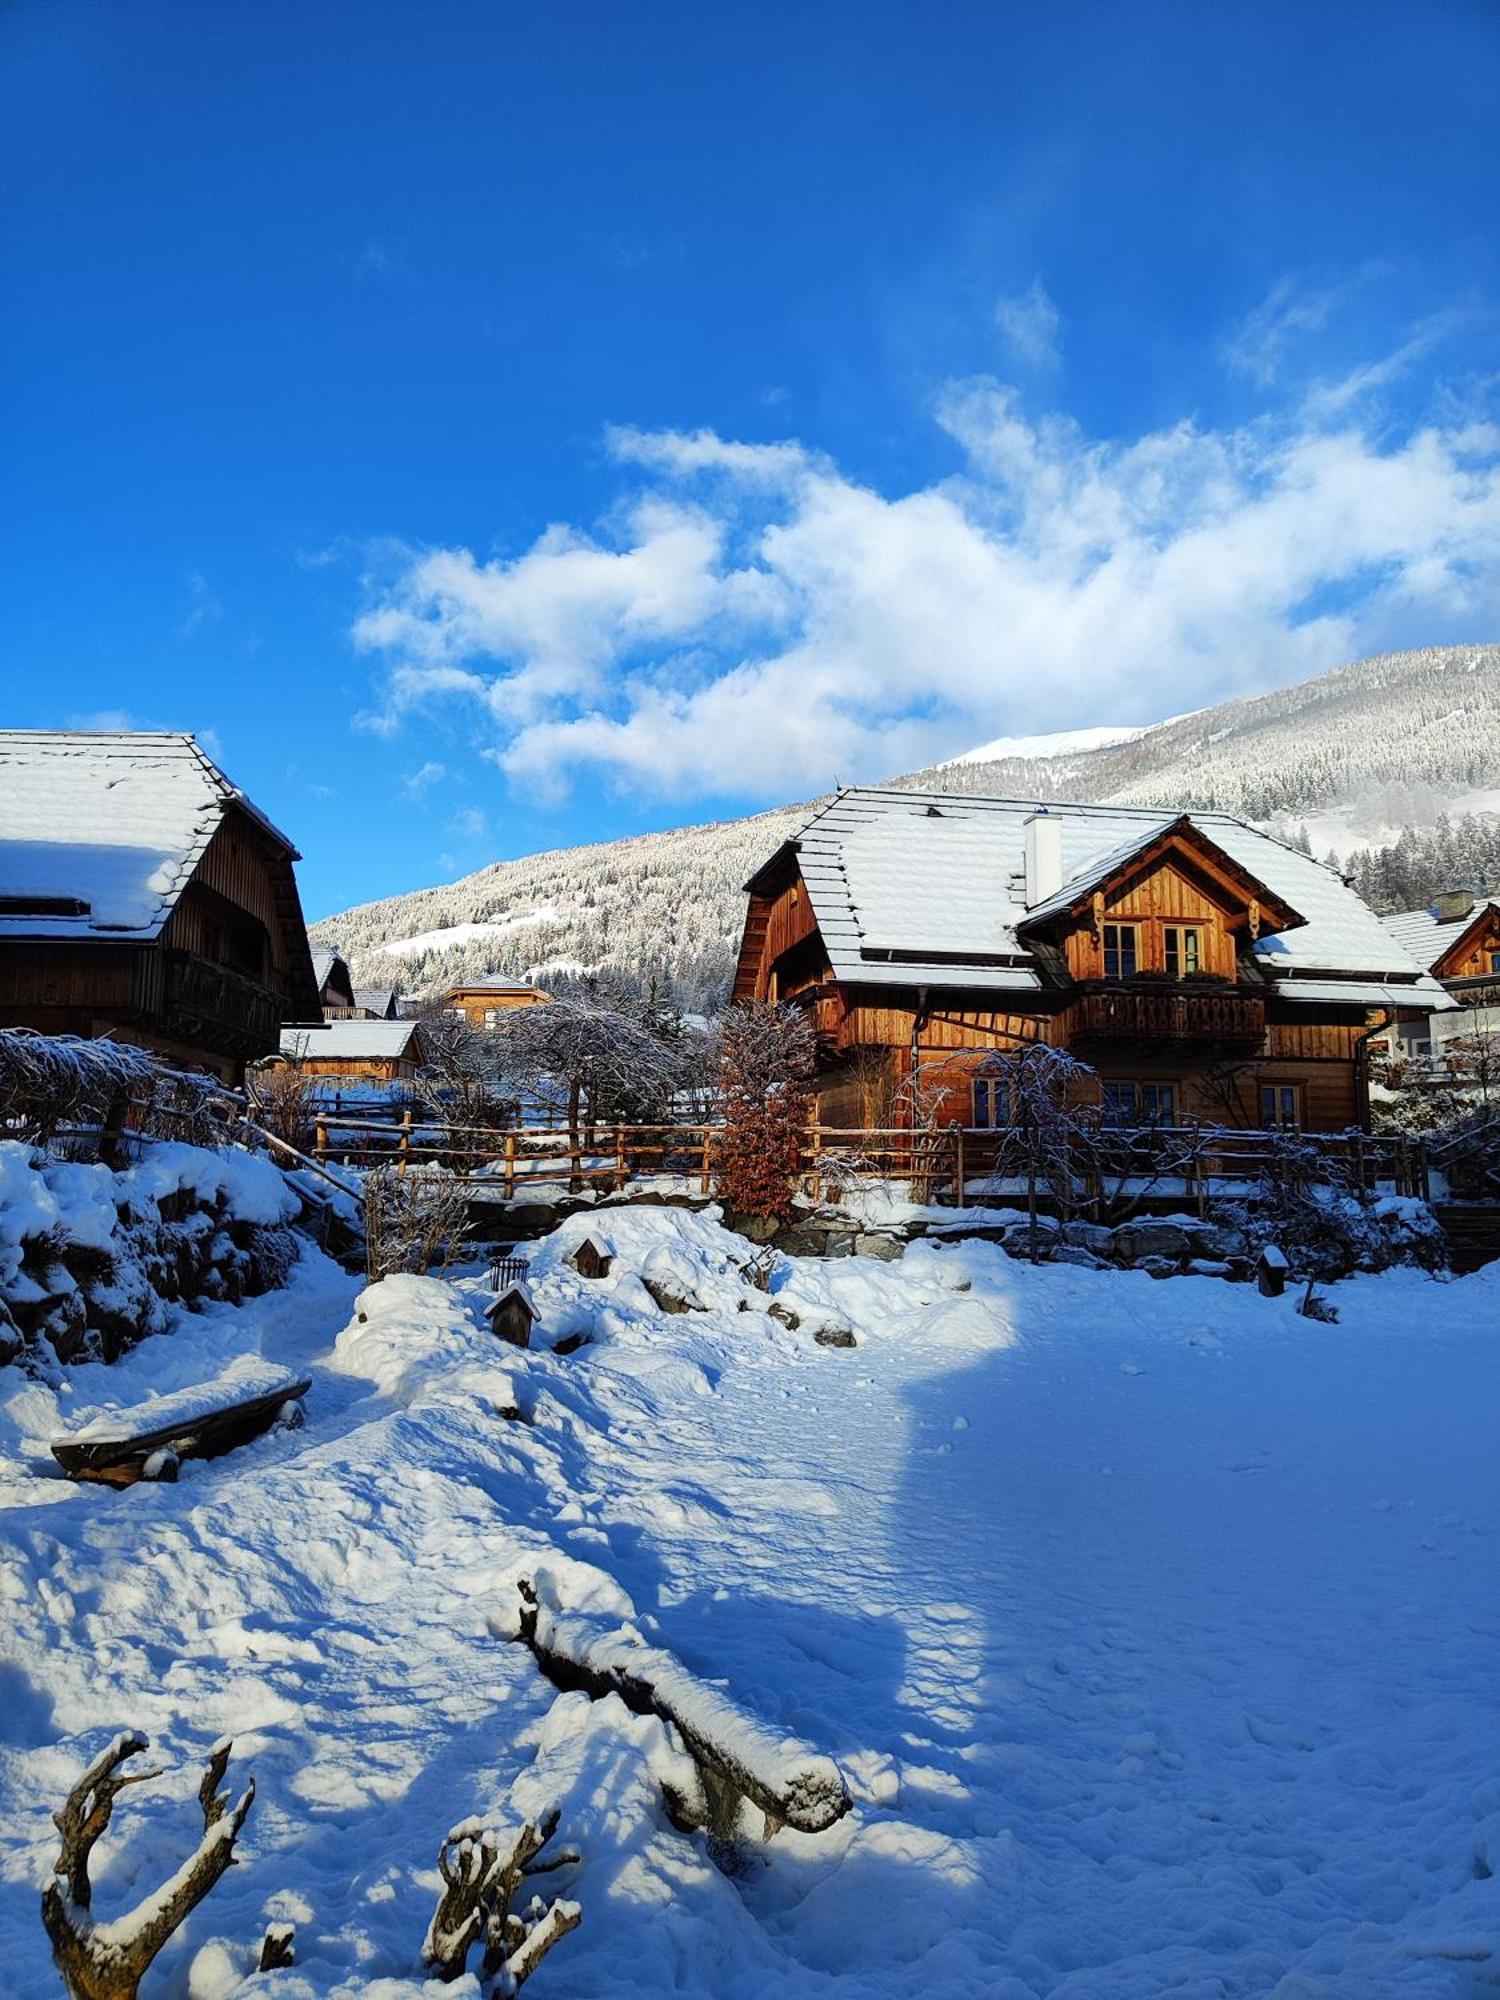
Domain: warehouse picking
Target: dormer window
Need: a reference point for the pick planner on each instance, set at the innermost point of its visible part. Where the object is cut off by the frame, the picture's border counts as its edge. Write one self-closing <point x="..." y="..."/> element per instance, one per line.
<point x="1184" y="950"/>
<point x="1119" y="951"/>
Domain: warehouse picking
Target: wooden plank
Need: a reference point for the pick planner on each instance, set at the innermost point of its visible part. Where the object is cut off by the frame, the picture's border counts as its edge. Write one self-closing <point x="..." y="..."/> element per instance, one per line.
<point x="121" y="1460"/>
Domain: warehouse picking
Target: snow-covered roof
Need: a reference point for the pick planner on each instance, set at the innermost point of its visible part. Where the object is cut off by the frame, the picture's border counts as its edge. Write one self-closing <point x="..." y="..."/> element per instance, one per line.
<point x="1427" y="936"/>
<point x="324" y="960"/>
<point x="379" y="1000"/>
<point x="100" y="831"/>
<point x="928" y="888"/>
<point x="349" y="1041"/>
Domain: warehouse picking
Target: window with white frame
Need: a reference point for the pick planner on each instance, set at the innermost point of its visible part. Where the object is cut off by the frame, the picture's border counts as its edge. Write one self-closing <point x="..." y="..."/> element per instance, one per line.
<point x="1183" y="948"/>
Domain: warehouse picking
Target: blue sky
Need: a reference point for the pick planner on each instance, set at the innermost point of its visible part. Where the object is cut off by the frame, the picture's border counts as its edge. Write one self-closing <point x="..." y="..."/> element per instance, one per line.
<point x="499" y="427"/>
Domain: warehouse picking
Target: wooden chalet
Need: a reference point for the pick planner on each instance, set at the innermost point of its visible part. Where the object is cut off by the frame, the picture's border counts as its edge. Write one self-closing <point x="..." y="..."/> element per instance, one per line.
<point x="335" y="985"/>
<point x="1457" y="940"/>
<point x="1204" y="970"/>
<point x="143" y="897"/>
<point x="356" y="1050"/>
<point x="484" y="1000"/>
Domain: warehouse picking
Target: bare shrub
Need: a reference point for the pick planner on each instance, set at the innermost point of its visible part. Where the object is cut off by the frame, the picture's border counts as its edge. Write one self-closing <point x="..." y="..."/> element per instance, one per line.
<point x="414" y="1221"/>
<point x="767" y="1055"/>
<point x="483" y="1870"/>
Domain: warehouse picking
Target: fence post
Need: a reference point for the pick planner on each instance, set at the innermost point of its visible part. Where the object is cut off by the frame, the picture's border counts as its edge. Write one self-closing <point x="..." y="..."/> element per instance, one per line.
<point x="403" y="1144"/>
<point x="959" y="1175"/>
<point x="320" y="1142"/>
<point x="707" y="1180"/>
<point x="510" y="1166"/>
<point x="814" y="1151"/>
<point x="621" y="1176"/>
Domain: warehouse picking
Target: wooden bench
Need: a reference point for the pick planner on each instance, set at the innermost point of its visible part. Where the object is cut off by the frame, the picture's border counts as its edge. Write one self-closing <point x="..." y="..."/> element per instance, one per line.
<point x="118" y="1447"/>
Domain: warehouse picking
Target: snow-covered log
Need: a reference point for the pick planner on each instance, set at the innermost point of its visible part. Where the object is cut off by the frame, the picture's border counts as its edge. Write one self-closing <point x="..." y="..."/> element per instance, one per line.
<point x="122" y="1446"/>
<point x="483" y="1868"/>
<point x="107" y="1961"/>
<point x="792" y="1784"/>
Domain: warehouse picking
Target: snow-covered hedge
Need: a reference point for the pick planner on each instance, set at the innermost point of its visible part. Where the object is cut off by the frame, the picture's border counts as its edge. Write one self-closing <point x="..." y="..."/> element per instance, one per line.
<point x="91" y="1259"/>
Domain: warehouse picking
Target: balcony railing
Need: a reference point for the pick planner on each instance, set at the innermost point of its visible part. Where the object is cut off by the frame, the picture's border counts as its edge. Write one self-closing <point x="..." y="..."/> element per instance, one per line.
<point x="1166" y="1015"/>
<point x="219" y="1007"/>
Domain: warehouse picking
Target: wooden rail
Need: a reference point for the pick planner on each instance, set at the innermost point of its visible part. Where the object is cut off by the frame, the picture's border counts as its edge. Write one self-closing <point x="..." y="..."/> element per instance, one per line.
<point x="1191" y="1162"/>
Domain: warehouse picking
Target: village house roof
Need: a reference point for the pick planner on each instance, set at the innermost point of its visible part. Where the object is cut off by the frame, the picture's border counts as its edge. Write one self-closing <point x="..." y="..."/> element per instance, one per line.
<point x="324" y="959"/>
<point x="351" y="1041"/>
<point x="377" y="1000"/>
<point x="928" y="888"/>
<point x="1428" y="936"/>
<point x="101" y="831"/>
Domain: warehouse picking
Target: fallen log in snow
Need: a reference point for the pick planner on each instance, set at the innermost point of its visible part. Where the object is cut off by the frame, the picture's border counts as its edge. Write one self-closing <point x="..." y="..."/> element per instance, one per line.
<point x="737" y="1756"/>
<point x="118" y="1447"/>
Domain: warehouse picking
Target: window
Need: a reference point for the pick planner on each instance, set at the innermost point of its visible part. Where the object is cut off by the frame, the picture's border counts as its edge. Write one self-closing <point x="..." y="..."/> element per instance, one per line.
<point x="1183" y="951"/>
<point x="1495" y="961"/>
<point x="1281" y="1106"/>
<point x="991" y="1101"/>
<point x="1127" y="1102"/>
<point x="1119" y="951"/>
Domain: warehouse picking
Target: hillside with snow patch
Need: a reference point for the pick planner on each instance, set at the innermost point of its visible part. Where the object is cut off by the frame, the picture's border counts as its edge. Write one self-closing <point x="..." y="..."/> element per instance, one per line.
<point x="1352" y="757"/>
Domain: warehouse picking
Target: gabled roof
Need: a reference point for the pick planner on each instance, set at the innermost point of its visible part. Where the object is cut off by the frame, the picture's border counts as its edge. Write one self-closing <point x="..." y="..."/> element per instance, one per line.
<point x="324" y="960"/>
<point x="351" y="1041"/>
<point x="100" y="831"/>
<point x="1139" y="844"/>
<point x="928" y="889"/>
<point x="377" y="1000"/>
<point x="1429" y="938"/>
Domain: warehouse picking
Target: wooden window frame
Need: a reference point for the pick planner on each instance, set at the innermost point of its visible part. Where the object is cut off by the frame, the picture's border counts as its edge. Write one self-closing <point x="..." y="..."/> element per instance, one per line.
<point x="1281" y="1088"/>
<point x="1121" y="928"/>
<point x="994" y="1088"/>
<point x="1138" y="1086"/>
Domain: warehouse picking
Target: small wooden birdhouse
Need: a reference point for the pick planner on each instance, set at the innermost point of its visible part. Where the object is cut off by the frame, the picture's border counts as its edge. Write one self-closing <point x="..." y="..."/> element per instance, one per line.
<point x="1271" y="1270"/>
<point x="591" y="1259"/>
<point x="512" y="1315"/>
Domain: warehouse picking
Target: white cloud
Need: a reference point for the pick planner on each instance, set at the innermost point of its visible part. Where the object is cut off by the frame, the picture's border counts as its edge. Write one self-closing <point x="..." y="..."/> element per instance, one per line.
<point x="422" y="780"/>
<point x="1029" y="322"/>
<point x="470" y="822"/>
<point x="755" y="622"/>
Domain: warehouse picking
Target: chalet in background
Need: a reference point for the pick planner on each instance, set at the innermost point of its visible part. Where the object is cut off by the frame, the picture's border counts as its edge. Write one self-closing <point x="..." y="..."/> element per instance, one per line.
<point x="357" y="1050"/>
<point x="335" y="984"/>
<point x="1205" y="970"/>
<point x="483" y="1001"/>
<point x="143" y="896"/>
<point x="1457" y="940"/>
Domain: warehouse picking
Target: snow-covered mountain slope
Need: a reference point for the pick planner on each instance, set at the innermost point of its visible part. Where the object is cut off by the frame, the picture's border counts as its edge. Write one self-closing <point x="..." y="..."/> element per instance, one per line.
<point x="1353" y="756"/>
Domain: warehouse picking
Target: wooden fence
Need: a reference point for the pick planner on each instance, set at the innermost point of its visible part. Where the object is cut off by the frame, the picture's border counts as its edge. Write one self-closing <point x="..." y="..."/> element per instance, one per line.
<point x="953" y="1163"/>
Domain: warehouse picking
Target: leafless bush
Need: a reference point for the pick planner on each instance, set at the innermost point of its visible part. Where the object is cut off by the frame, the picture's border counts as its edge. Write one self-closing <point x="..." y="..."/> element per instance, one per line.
<point x="51" y="1082"/>
<point x="414" y="1221"/>
<point x="767" y="1056"/>
<point x="283" y="1099"/>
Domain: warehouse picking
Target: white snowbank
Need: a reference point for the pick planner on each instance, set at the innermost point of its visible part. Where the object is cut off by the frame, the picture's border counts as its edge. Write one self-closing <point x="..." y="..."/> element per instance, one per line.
<point x="1147" y="1623"/>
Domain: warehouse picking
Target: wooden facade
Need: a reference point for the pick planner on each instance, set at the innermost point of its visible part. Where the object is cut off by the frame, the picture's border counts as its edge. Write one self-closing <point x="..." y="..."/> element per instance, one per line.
<point x="1148" y="977"/>
<point x="484" y="1001"/>
<point x="210" y="990"/>
<point x="349" y="1051"/>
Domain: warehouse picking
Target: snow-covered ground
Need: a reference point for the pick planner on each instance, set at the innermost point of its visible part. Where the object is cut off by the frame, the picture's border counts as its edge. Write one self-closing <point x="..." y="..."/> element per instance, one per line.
<point x="1154" y="1627"/>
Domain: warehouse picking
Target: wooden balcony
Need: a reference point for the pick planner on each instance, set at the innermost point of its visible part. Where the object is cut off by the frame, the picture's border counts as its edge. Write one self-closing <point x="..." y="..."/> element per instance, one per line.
<point x="1205" y="1018"/>
<point x="217" y="1007"/>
